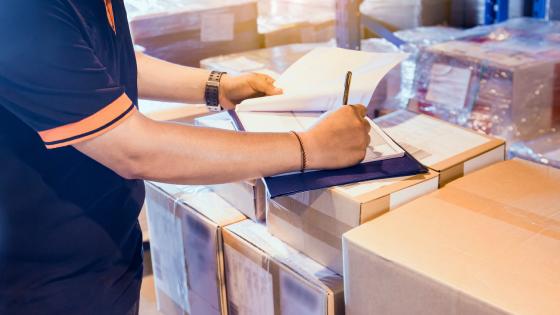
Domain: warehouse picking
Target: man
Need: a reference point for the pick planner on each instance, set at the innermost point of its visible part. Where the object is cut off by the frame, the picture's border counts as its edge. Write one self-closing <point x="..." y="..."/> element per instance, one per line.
<point x="74" y="150"/>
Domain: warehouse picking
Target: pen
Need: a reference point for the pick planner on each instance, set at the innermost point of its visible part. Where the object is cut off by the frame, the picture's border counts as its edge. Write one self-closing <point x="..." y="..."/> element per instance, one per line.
<point x="347" y="87"/>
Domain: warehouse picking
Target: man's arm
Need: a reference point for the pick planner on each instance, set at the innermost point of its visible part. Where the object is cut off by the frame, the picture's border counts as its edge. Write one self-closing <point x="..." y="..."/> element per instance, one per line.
<point x="140" y="148"/>
<point x="164" y="81"/>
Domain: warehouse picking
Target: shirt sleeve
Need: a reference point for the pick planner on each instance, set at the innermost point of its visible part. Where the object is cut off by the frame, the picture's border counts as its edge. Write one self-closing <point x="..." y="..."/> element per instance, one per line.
<point x="50" y="77"/>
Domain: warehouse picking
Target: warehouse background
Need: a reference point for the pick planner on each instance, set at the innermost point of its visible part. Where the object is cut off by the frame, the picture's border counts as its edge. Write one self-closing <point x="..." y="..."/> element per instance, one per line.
<point x="487" y="70"/>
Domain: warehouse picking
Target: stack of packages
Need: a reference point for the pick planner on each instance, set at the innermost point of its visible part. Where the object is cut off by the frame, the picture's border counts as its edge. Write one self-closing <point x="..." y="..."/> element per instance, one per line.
<point x="198" y="241"/>
<point x="486" y="244"/>
<point x="469" y="13"/>
<point x="283" y="22"/>
<point x="502" y="79"/>
<point x="406" y="14"/>
<point x="314" y="221"/>
<point x="185" y="32"/>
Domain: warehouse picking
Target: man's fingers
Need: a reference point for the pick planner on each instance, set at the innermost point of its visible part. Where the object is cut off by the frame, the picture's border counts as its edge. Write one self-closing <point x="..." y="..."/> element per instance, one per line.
<point x="361" y="110"/>
<point x="265" y="84"/>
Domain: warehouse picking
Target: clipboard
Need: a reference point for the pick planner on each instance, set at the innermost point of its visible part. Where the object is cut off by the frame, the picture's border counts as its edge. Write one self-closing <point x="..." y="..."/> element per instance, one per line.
<point x="287" y="184"/>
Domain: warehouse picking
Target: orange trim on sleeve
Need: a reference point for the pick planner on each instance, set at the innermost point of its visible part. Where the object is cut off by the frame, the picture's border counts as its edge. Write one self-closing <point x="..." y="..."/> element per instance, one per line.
<point x="92" y="135"/>
<point x="98" y="120"/>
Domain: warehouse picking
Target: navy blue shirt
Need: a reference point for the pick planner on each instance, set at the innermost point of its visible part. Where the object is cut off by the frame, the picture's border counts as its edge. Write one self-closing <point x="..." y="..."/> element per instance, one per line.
<point x="69" y="236"/>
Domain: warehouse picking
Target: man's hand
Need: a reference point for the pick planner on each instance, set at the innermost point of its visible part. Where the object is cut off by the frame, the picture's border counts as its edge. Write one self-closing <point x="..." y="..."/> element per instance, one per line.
<point x="338" y="140"/>
<point x="235" y="89"/>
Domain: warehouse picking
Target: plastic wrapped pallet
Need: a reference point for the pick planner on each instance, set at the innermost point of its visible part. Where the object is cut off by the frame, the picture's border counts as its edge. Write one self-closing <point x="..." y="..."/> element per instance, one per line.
<point x="283" y="22"/>
<point x="544" y="149"/>
<point x="185" y="224"/>
<point x="401" y="79"/>
<point x="486" y="244"/>
<point x="406" y="14"/>
<point x="502" y="80"/>
<point x="186" y="32"/>
<point x="267" y="277"/>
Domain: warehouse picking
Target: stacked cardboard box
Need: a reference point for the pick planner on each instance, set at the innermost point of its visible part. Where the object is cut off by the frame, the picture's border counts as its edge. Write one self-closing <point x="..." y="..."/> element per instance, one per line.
<point x="186" y="32"/>
<point x="406" y="14"/>
<point x="283" y="22"/>
<point x="264" y="276"/>
<point x="488" y="243"/>
<point x="502" y="80"/>
<point x="313" y="222"/>
<point x="186" y="245"/>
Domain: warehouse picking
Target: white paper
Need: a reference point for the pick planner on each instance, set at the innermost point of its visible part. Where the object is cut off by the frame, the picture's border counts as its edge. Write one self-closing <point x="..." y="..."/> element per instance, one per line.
<point x="169" y="260"/>
<point x="427" y="139"/>
<point x="449" y="85"/>
<point x="381" y="146"/>
<point x="316" y="81"/>
<point x="249" y="286"/>
<point x="217" y="27"/>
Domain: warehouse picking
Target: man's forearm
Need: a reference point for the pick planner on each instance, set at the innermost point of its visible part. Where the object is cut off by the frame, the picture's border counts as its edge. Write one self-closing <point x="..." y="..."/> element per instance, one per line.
<point x="191" y="155"/>
<point x="164" y="81"/>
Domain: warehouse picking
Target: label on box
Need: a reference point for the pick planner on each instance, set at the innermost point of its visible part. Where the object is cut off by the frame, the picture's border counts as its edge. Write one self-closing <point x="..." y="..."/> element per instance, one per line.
<point x="299" y="298"/>
<point x="449" y="85"/>
<point x="249" y="286"/>
<point x="217" y="27"/>
<point x="169" y="267"/>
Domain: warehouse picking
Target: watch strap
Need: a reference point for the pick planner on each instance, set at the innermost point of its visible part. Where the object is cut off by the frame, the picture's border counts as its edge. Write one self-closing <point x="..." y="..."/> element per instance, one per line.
<point x="212" y="91"/>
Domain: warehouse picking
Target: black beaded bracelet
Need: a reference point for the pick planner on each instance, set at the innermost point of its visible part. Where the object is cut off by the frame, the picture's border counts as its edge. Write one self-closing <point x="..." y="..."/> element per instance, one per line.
<point x="302" y="149"/>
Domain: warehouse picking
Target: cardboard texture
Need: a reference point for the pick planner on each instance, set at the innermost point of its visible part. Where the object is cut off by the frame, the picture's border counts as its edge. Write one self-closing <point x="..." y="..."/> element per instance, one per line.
<point x="249" y="197"/>
<point x="267" y="277"/>
<point x="450" y="150"/>
<point x="185" y="225"/>
<point x="313" y="222"/>
<point x="186" y="32"/>
<point x="488" y="243"/>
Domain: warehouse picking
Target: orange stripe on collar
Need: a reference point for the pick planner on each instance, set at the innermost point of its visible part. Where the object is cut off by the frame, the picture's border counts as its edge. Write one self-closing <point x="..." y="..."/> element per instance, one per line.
<point x="110" y="15"/>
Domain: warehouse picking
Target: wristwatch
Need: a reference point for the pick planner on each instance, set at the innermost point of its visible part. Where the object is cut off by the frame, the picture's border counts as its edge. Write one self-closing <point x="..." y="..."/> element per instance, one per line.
<point x="212" y="91"/>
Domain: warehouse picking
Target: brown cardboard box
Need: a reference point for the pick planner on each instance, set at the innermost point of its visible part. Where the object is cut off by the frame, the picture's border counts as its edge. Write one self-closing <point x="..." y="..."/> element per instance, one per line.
<point x="284" y="22"/>
<point x="247" y="196"/>
<point x="185" y="225"/>
<point x="488" y="243"/>
<point x="186" y="32"/>
<point x="313" y="222"/>
<point x="450" y="150"/>
<point x="267" y="277"/>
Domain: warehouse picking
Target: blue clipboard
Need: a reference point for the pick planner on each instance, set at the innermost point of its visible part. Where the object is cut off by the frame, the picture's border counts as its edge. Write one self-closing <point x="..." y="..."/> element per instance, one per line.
<point x="289" y="184"/>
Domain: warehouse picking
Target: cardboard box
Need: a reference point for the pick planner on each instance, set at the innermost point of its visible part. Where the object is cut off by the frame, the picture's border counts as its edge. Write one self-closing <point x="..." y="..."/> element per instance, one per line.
<point x="266" y="277"/>
<point x="450" y="150"/>
<point x="313" y="222"/>
<point x="166" y="111"/>
<point x="185" y="225"/>
<point x="186" y="32"/>
<point x="284" y="22"/>
<point x="488" y="243"/>
<point x="406" y="14"/>
<point x="249" y="196"/>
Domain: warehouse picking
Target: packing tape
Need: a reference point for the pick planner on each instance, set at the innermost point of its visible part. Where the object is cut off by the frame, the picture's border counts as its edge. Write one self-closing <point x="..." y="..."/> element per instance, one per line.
<point x="312" y="222"/>
<point x="527" y="220"/>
